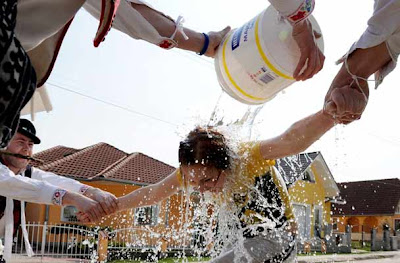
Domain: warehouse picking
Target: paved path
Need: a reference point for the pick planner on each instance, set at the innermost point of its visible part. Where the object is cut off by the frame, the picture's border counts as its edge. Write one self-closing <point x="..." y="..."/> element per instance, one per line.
<point x="380" y="257"/>
<point x="24" y="259"/>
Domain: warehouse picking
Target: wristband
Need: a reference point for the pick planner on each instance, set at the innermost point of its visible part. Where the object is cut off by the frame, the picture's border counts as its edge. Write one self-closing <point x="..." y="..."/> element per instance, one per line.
<point x="58" y="197"/>
<point x="206" y="43"/>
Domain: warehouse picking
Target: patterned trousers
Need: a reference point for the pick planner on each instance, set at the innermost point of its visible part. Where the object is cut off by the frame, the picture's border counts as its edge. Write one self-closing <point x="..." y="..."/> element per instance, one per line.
<point x="17" y="75"/>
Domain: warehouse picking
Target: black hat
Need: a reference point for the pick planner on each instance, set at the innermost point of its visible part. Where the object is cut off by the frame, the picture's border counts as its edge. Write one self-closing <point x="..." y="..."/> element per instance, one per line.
<point x="26" y="128"/>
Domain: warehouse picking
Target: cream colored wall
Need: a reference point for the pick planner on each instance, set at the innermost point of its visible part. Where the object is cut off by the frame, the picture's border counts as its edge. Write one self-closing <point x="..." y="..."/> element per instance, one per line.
<point x="312" y="194"/>
<point x="343" y="220"/>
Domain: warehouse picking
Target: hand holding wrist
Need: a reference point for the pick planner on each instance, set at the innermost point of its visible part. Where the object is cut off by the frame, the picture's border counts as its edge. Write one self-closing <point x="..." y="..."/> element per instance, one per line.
<point x="69" y="198"/>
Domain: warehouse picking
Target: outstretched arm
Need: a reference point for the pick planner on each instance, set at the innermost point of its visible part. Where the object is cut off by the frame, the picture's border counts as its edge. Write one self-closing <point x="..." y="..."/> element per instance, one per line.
<point x="298" y="137"/>
<point x="151" y="194"/>
<point x="166" y="28"/>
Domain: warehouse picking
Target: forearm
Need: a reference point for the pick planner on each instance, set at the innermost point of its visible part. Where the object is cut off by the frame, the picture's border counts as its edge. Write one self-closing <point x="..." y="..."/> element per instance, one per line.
<point x="57" y="180"/>
<point x="166" y="28"/>
<point x="298" y="137"/>
<point x="23" y="188"/>
<point x="145" y="196"/>
<point x="361" y="63"/>
<point x="364" y="62"/>
<point x="152" y="194"/>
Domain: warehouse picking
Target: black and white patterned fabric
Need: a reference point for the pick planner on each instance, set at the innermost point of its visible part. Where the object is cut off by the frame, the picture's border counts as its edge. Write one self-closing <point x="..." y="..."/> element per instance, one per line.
<point x="17" y="75"/>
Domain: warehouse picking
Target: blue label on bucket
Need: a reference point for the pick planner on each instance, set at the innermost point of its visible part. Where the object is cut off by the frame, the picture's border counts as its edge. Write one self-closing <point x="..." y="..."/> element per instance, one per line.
<point x="236" y="38"/>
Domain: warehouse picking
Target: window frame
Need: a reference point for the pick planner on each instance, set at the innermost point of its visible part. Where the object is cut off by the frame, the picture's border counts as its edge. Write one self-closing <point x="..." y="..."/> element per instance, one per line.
<point x="64" y="219"/>
<point x="311" y="175"/>
<point x="154" y="216"/>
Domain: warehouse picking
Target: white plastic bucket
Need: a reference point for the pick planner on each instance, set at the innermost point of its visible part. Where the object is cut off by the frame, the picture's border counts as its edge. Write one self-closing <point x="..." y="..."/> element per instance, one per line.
<point x="256" y="61"/>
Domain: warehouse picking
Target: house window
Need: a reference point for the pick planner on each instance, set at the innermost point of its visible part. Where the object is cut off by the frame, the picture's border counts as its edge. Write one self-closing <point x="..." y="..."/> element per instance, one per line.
<point x="68" y="214"/>
<point x="335" y="226"/>
<point x="398" y="209"/>
<point x="147" y="215"/>
<point x="397" y="224"/>
<point x="317" y="221"/>
<point x="308" y="176"/>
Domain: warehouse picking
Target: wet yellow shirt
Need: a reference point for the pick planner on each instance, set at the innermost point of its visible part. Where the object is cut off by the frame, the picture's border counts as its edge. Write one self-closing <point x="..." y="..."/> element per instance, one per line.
<point x="264" y="189"/>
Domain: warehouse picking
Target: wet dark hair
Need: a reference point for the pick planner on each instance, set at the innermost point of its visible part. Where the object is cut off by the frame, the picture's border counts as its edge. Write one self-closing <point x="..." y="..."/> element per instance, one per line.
<point x="205" y="146"/>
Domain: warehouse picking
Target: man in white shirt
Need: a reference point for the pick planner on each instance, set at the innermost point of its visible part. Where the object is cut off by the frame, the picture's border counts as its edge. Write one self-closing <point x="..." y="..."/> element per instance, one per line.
<point x="21" y="182"/>
<point x="376" y="52"/>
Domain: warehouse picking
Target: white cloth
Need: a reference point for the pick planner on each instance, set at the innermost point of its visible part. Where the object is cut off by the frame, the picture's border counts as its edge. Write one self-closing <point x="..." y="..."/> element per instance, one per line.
<point x="286" y="7"/>
<point x="22" y="188"/>
<point x="128" y="20"/>
<point x="40" y="188"/>
<point x="383" y="26"/>
<point x="37" y="20"/>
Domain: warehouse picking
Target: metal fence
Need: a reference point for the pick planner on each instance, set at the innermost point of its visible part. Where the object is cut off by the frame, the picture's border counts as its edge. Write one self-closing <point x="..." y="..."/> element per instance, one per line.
<point x="77" y="241"/>
<point x="58" y="240"/>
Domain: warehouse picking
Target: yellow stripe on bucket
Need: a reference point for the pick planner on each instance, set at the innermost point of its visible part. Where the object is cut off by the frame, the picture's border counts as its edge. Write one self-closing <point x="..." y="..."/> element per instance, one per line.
<point x="264" y="57"/>
<point x="230" y="76"/>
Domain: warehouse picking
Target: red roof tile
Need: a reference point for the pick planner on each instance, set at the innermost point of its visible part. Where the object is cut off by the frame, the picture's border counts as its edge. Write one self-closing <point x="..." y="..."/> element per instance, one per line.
<point x="378" y="197"/>
<point x="103" y="161"/>
<point x="139" y="168"/>
<point x="52" y="154"/>
<point x="86" y="163"/>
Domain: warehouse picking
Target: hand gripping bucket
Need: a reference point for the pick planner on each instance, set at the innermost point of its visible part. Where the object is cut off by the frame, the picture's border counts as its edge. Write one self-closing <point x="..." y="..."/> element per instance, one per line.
<point x="256" y="61"/>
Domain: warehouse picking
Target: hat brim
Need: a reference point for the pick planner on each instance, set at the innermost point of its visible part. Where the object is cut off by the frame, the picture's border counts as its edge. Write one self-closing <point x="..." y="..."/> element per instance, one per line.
<point x="31" y="136"/>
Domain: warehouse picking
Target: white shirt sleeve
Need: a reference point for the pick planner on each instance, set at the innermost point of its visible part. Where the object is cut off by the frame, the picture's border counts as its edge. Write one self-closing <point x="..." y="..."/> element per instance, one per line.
<point x="128" y="20"/>
<point x="57" y="180"/>
<point x="383" y="26"/>
<point x="286" y="7"/>
<point x="25" y="189"/>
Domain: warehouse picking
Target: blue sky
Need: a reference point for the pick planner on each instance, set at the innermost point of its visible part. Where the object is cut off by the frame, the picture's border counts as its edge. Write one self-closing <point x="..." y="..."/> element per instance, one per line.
<point x="165" y="93"/>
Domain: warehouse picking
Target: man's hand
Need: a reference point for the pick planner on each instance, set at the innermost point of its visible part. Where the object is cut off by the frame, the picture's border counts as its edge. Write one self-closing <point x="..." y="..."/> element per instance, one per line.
<point x="83" y="217"/>
<point x="215" y="41"/>
<point x="311" y="55"/>
<point x="108" y="202"/>
<point x="346" y="104"/>
<point x="85" y="205"/>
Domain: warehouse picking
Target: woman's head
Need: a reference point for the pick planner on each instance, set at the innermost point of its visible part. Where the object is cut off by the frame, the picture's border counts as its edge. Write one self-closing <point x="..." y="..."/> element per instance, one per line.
<point x="206" y="147"/>
<point x="204" y="156"/>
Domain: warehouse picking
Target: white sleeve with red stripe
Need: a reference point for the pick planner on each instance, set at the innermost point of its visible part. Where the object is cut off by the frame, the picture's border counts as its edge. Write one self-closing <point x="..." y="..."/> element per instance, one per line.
<point x="294" y="10"/>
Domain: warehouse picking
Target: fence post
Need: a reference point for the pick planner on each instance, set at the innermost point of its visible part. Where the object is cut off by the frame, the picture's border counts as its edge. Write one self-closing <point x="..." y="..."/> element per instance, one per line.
<point x="374" y="246"/>
<point x="102" y="246"/>
<point x="362" y="236"/>
<point x="44" y="234"/>
<point x="331" y="246"/>
<point x="386" y="239"/>
<point x="346" y="241"/>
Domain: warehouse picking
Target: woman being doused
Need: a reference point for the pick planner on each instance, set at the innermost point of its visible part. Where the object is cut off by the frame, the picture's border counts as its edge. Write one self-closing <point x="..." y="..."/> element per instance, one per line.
<point x="245" y="177"/>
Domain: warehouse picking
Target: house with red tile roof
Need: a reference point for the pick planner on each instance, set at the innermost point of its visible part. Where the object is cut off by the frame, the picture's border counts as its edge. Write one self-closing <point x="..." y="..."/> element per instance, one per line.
<point x="108" y="168"/>
<point x="368" y="204"/>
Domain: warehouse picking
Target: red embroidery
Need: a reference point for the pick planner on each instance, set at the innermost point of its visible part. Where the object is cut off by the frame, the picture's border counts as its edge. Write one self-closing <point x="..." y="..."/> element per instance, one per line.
<point x="167" y="44"/>
<point x="298" y="16"/>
